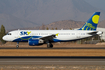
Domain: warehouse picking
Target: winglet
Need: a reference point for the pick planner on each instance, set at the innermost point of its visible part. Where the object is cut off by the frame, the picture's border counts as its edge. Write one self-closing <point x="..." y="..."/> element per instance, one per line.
<point x="57" y="34"/>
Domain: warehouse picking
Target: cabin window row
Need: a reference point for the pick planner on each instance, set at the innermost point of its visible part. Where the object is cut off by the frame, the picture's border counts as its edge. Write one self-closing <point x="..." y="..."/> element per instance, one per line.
<point x="59" y="34"/>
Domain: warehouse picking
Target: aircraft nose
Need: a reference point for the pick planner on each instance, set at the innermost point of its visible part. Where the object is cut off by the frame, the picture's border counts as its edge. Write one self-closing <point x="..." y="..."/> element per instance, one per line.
<point x="4" y="38"/>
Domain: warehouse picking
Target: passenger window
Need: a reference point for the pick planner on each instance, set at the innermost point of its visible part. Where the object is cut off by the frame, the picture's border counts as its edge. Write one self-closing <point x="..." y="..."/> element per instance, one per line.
<point x="73" y="33"/>
<point x="82" y="33"/>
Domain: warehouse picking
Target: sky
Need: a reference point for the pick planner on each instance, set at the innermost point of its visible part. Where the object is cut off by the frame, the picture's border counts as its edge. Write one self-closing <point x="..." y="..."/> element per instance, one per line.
<point x="97" y="3"/>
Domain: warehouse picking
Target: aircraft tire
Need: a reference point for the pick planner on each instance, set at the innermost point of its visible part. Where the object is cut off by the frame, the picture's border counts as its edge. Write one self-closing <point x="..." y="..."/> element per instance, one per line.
<point x="49" y="45"/>
<point x="17" y="46"/>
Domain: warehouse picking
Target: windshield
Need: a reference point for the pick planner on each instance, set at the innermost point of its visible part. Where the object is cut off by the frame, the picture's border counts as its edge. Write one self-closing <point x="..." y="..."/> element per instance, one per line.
<point x="8" y="33"/>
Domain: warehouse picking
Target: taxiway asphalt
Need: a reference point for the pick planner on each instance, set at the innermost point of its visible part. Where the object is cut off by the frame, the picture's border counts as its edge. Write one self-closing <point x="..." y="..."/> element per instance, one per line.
<point x="52" y="61"/>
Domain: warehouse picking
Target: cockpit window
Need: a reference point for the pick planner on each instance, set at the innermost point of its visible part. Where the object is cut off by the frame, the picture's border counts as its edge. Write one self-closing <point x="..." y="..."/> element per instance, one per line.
<point x="9" y="34"/>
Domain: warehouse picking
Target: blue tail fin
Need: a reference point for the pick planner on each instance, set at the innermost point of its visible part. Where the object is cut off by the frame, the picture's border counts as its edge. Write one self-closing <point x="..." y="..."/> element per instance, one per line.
<point x="92" y="23"/>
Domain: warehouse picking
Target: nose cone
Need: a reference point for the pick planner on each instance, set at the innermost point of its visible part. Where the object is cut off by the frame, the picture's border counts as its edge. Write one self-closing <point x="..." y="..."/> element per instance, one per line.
<point x="7" y="38"/>
<point x="4" y="38"/>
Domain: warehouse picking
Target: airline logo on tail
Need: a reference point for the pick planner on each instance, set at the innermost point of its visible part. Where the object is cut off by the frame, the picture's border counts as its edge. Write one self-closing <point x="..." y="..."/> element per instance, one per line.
<point x="92" y="23"/>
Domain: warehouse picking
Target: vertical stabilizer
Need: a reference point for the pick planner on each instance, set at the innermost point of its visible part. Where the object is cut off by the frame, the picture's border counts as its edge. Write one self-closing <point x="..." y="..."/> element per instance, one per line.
<point x="92" y="23"/>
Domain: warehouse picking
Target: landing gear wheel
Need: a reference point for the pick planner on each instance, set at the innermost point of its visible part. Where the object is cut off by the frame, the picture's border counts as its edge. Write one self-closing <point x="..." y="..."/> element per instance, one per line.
<point x="49" y="45"/>
<point x="17" y="46"/>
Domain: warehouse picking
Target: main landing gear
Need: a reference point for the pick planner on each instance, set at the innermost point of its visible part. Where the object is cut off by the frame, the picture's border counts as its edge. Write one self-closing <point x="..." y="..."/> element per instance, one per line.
<point x="49" y="45"/>
<point x="17" y="46"/>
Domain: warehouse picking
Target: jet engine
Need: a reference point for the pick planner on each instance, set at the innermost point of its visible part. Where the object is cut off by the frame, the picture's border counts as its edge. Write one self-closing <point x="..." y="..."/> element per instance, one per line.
<point x="35" y="42"/>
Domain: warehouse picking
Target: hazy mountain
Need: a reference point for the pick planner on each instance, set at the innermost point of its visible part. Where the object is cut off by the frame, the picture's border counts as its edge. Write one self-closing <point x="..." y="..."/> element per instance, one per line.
<point x="67" y="24"/>
<point x="11" y="22"/>
<point x="29" y="13"/>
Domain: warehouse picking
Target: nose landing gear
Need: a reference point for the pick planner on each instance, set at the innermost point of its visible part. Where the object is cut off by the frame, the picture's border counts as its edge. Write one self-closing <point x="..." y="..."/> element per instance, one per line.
<point x="17" y="46"/>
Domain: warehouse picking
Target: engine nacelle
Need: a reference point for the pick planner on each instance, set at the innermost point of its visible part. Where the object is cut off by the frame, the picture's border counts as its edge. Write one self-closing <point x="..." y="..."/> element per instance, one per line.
<point x="35" y="42"/>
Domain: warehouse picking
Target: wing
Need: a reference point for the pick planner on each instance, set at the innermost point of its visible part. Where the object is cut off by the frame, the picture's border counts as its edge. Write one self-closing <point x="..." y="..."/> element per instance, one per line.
<point x="48" y="38"/>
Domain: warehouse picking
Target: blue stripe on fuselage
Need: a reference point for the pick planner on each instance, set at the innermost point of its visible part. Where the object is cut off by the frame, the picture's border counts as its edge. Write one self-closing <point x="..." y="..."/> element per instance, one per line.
<point x="25" y="39"/>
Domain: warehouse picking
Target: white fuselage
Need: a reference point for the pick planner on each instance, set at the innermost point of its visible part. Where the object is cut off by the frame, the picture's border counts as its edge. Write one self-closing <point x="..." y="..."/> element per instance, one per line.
<point x="62" y="35"/>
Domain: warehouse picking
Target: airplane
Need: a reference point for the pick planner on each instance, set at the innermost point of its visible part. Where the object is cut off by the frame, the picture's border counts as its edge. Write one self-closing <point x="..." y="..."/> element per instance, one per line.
<point x="40" y="37"/>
